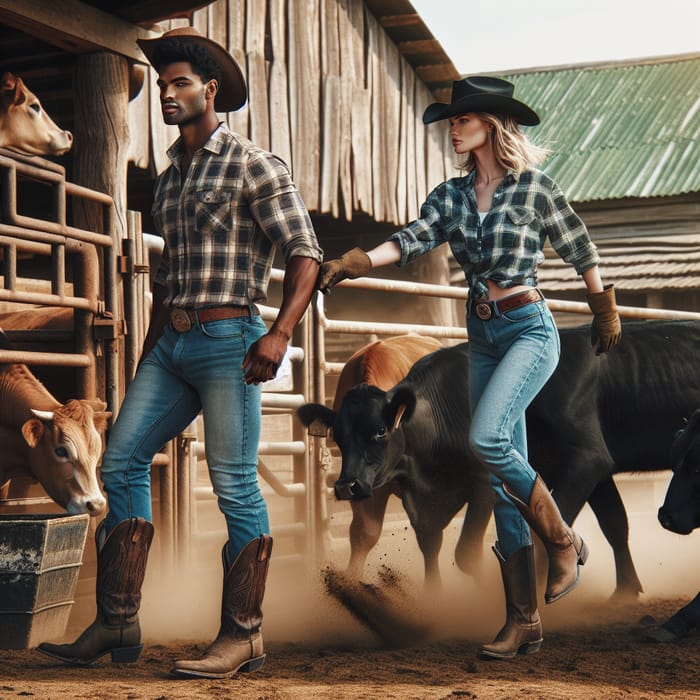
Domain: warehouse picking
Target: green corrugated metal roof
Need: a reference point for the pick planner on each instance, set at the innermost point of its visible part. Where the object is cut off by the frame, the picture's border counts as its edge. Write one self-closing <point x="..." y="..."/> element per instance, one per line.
<point x="626" y="130"/>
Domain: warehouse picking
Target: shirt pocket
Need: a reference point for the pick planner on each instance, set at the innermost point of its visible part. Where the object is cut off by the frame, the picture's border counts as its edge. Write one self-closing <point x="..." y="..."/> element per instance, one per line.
<point x="520" y="216"/>
<point x="213" y="213"/>
<point x="519" y="230"/>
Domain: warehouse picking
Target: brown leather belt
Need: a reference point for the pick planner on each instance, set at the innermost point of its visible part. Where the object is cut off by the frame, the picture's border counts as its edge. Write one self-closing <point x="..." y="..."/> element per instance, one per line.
<point x="182" y="320"/>
<point x="485" y="309"/>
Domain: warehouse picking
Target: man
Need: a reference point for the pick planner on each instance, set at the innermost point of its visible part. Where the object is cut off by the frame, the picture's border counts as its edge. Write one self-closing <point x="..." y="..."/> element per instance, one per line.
<point x="222" y="206"/>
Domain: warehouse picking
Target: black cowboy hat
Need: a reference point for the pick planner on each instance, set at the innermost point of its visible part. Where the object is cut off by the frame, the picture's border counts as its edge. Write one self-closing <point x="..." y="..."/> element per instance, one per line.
<point x="481" y="94"/>
<point x="232" y="92"/>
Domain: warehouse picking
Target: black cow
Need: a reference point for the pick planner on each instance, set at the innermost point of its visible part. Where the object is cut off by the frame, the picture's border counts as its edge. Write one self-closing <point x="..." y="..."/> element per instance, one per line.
<point x="597" y="416"/>
<point x="681" y="509"/>
<point x="425" y="453"/>
<point x="680" y="513"/>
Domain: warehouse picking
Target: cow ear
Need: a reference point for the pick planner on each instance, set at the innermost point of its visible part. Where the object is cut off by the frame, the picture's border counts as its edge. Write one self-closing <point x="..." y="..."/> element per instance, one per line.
<point x="33" y="431"/>
<point x="20" y="92"/>
<point x="317" y="428"/>
<point x="101" y="419"/>
<point x="400" y="407"/>
<point x="316" y="417"/>
<point x="7" y="82"/>
<point x="399" y="415"/>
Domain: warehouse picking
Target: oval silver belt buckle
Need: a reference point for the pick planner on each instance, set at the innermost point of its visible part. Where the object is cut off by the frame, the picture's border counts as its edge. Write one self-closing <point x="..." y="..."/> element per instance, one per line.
<point x="483" y="310"/>
<point x="180" y="320"/>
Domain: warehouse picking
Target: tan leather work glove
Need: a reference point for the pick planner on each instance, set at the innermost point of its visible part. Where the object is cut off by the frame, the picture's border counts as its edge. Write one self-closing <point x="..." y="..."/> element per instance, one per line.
<point x="606" y="329"/>
<point x="354" y="263"/>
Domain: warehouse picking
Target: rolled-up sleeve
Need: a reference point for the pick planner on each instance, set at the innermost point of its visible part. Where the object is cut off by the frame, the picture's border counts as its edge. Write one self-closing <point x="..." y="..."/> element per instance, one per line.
<point x="277" y="207"/>
<point x="567" y="233"/>
<point x="424" y="233"/>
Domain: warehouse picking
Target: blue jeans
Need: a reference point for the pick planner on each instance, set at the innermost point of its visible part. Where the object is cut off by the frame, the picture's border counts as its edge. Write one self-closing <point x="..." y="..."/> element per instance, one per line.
<point x="511" y="357"/>
<point x="183" y="374"/>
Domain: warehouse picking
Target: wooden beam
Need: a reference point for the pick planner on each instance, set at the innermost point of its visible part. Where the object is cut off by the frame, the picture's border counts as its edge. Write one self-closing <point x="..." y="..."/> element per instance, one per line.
<point x="75" y="27"/>
<point x="420" y="46"/>
<point x="404" y="20"/>
<point x="151" y="10"/>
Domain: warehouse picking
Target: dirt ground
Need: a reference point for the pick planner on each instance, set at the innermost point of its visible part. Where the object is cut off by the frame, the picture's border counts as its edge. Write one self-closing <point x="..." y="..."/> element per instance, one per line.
<point x="424" y="645"/>
<point x="604" y="657"/>
<point x="592" y="650"/>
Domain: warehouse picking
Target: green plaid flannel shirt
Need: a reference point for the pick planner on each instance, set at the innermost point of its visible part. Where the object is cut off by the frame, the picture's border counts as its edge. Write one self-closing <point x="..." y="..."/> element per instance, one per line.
<point x="507" y="247"/>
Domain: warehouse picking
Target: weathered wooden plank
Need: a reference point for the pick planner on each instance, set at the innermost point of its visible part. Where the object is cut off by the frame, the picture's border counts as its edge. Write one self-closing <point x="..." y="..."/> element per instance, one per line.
<point x="356" y="15"/>
<point x="409" y="138"/>
<point x="375" y="74"/>
<point x="422" y="100"/>
<point x="363" y="174"/>
<point x="280" y="136"/>
<point x="402" y="175"/>
<point x="75" y="26"/>
<point x="238" y="121"/>
<point x="331" y="106"/>
<point x="347" y="86"/>
<point x="391" y="94"/>
<point x="256" y="14"/>
<point x="217" y="13"/>
<point x="304" y="80"/>
<point x="330" y="152"/>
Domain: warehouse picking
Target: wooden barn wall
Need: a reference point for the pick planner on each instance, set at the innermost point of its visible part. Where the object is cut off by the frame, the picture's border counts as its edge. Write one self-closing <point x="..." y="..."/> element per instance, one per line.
<point x="329" y="93"/>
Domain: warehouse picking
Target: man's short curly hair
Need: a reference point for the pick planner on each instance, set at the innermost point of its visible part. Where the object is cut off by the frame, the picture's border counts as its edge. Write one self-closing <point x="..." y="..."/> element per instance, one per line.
<point x="174" y="50"/>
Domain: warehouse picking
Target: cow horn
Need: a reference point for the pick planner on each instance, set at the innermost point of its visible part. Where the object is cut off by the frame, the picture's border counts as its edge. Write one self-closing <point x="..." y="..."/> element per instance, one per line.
<point x="43" y="415"/>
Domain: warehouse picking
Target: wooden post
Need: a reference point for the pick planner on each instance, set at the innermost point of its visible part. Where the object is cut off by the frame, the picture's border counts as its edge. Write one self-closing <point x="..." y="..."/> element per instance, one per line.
<point x="101" y="91"/>
<point x="101" y="138"/>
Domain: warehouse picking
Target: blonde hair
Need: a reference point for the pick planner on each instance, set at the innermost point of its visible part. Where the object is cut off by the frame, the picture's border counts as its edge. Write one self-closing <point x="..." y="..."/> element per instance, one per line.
<point x="513" y="149"/>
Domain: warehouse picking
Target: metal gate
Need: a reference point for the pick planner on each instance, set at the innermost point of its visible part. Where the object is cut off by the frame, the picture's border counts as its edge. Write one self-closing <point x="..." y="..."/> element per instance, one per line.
<point x="108" y="294"/>
<point x="314" y="461"/>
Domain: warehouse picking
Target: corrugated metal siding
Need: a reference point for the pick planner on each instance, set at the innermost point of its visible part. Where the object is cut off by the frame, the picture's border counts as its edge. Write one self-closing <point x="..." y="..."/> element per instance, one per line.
<point x="630" y="130"/>
<point x="646" y="263"/>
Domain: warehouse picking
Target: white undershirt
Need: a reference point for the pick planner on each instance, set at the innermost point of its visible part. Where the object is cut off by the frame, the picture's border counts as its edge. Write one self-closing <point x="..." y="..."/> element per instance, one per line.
<point x="482" y="216"/>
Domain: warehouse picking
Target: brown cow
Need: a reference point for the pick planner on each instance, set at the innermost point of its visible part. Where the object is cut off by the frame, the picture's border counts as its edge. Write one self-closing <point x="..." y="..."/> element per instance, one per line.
<point x="24" y="126"/>
<point x="58" y="445"/>
<point x="383" y="364"/>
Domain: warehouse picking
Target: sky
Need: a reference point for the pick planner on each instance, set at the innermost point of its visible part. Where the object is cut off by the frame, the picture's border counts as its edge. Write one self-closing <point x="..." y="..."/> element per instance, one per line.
<point x="483" y="36"/>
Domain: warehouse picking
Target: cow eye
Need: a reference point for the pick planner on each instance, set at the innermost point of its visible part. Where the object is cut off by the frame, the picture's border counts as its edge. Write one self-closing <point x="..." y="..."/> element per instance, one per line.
<point x="61" y="452"/>
<point x="36" y="107"/>
<point x="381" y="433"/>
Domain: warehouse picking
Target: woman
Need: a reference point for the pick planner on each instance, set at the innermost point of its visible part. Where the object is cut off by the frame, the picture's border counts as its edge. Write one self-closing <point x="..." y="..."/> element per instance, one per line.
<point x="496" y="220"/>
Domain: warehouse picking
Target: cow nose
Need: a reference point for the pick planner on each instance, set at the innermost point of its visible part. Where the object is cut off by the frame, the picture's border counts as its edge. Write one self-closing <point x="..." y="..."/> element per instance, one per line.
<point x="96" y="506"/>
<point x="351" y="490"/>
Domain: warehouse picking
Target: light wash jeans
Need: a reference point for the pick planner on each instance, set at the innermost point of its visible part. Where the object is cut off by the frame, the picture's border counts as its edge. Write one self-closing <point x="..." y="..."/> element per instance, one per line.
<point x="511" y="357"/>
<point x="183" y="374"/>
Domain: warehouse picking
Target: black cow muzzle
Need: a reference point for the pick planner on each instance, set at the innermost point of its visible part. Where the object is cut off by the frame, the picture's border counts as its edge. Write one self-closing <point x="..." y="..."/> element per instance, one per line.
<point x="353" y="490"/>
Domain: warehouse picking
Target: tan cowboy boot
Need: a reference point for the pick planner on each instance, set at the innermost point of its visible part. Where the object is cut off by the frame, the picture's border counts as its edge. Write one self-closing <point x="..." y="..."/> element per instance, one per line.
<point x="522" y="633"/>
<point x="565" y="549"/>
<point x="239" y="644"/>
<point x="121" y="567"/>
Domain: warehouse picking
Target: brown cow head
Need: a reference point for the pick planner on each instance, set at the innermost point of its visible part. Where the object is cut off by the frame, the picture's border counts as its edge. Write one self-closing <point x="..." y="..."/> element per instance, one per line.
<point x="66" y="448"/>
<point x="24" y="126"/>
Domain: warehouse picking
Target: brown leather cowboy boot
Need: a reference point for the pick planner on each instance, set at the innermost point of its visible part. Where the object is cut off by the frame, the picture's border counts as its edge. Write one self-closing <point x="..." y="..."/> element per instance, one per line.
<point x="565" y="549"/>
<point x="121" y="567"/>
<point x="239" y="644"/>
<point x="522" y="633"/>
